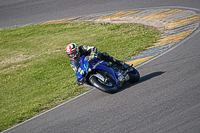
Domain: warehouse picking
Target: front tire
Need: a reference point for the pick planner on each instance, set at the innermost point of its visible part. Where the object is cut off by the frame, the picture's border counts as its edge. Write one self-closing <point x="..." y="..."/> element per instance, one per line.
<point x="108" y="88"/>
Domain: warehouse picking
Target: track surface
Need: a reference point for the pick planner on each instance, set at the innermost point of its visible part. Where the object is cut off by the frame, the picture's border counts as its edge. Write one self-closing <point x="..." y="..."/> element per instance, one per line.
<point x="167" y="98"/>
<point x="22" y="12"/>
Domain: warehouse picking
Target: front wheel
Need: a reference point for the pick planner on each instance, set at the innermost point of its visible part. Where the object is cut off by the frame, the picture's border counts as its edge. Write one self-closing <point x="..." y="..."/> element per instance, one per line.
<point x="108" y="87"/>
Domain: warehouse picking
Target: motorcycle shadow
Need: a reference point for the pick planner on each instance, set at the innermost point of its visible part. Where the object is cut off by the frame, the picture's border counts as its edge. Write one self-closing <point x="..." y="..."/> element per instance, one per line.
<point x="142" y="79"/>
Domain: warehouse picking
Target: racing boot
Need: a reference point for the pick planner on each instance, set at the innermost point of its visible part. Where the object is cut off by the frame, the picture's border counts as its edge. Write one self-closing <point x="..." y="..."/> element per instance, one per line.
<point x="106" y="56"/>
<point x="120" y="63"/>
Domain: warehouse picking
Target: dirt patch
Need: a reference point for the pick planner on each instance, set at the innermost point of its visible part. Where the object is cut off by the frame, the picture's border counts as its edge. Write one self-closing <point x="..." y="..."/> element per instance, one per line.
<point x="16" y="59"/>
<point x="19" y="58"/>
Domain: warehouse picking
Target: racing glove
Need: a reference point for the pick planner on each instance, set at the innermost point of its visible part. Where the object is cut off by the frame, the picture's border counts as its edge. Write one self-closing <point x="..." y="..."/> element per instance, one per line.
<point x="92" y="56"/>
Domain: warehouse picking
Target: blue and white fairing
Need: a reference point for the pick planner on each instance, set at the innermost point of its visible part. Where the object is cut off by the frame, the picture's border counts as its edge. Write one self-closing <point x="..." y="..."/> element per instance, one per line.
<point x="83" y="69"/>
<point x="95" y="64"/>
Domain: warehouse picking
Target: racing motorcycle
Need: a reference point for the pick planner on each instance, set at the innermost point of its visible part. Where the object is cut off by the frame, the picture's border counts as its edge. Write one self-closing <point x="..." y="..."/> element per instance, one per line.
<point x="105" y="76"/>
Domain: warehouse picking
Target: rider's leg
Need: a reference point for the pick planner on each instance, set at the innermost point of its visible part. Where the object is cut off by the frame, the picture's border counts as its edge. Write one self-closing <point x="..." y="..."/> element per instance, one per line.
<point x="107" y="57"/>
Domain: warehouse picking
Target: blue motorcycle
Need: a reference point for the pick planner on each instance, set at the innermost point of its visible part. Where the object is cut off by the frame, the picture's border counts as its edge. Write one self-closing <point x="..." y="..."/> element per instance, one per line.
<point x="105" y="76"/>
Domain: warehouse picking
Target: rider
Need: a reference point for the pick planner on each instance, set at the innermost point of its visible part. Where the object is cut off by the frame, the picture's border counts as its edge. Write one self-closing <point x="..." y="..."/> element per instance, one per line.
<point x="74" y="53"/>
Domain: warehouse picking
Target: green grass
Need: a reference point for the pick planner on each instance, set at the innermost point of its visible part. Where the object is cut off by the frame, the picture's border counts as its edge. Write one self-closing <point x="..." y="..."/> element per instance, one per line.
<point x="35" y="74"/>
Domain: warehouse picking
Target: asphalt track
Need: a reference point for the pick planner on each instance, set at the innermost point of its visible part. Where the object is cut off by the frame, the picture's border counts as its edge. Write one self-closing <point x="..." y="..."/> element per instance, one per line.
<point x="22" y="12"/>
<point x="167" y="98"/>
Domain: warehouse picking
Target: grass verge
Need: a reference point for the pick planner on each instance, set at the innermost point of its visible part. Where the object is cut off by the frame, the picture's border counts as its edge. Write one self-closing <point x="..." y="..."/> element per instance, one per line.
<point x="35" y="74"/>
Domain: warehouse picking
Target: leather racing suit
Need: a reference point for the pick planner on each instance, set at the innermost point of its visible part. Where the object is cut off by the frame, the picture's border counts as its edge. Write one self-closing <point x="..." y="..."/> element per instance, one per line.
<point x="90" y="51"/>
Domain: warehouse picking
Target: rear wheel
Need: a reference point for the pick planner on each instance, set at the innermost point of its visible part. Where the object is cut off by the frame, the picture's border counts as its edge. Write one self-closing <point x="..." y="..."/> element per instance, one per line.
<point x="108" y="87"/>
<point x="134" y="76"/>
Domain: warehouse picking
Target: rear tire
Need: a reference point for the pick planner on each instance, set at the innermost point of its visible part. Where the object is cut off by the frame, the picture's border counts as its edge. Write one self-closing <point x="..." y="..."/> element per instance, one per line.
<point x="110" y="88"/>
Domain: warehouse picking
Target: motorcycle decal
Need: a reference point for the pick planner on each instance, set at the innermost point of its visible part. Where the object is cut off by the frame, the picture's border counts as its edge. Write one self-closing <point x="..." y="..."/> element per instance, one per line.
<point x="97" y="64"/>
<point x="80" y="71"/>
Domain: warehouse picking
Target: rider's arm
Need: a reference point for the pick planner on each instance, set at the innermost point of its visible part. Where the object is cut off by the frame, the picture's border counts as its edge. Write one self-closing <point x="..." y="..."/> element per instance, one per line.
<point x="74" y="64"/>
<point x="93" y="50"/>
<point x="88" y="50"/>
<point x="73" y="67"/>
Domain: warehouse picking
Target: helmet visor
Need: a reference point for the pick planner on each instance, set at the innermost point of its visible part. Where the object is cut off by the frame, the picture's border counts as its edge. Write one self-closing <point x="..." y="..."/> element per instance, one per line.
<point x="73" y="54"/>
